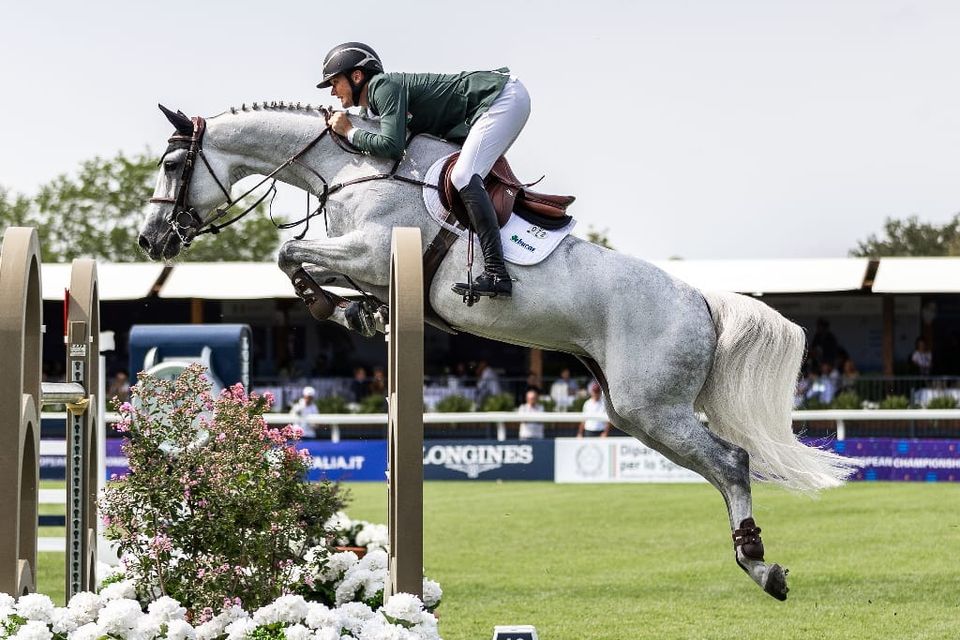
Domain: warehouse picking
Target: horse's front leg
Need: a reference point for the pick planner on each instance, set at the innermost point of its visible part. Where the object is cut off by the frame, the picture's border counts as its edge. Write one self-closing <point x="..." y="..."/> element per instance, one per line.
<point x="309" y="262"/>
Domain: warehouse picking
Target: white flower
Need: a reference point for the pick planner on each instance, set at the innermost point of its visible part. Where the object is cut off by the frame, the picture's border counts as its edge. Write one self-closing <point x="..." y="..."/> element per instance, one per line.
<point x="351" y="583"/>
<point x="64" y="620"/>
<point x="338" y="521"/>
<point x="297" y="632"/>
<point x="337" y="564"/>
<point x="314" y="554"/>
<point x="89" y="631"/>
<point x="119" y="616"/>
<point x="353" y="615"/>
<point x="318" y="616"/>
<point x="166" y="609"/>
<point x="84" y="607"/>
<point x="6" y="605"/>
<point x="178" y="629"/>
<point x="404" y="607"/>
<point x="431" y="593"/>
<point x="427" y="628"/>
<point x="327" y="633"/>
<point x="292" y="609"/>
<point x="119" y="590"/>
<point x="35" y="606"/>
<point x="374" y="560"/>
<point x="374" y="583"/>
<point x="238" y="629"/>
<point x="373" y="536"/>
<point x="33" y="630"/>
<point x="215" y="627"/>
<point x="147" y="628"/>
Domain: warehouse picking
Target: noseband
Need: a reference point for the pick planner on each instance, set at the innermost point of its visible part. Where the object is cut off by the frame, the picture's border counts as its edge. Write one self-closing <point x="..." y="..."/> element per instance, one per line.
<point x="184" y="219"/>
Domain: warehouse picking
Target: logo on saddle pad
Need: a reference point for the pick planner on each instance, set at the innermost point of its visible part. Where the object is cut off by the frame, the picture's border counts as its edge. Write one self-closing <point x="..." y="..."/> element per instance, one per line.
<point x="517" y="241"/>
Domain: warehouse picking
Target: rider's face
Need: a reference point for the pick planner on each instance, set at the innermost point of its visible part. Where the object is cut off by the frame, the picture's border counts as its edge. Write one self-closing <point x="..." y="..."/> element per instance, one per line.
<point x="340" y="87"/>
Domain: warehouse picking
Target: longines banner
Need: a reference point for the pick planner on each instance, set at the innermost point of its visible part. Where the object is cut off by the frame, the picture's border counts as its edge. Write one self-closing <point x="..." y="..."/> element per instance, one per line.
<point x="488" y="460"/>
<point x="614" y="460"/>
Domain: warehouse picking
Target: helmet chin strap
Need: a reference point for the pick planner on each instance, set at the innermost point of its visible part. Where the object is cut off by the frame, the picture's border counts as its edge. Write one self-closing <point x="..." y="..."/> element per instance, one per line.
<point x="356" y="88"/>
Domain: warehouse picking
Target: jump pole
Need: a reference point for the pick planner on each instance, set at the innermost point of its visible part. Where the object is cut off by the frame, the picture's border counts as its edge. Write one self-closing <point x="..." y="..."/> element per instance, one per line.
<point x="22" y="396"/>
<point x="404" y="336"/>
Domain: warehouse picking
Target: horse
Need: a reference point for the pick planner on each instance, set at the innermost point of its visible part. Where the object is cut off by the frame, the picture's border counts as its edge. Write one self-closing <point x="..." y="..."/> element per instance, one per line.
<point x="661" y="349"/>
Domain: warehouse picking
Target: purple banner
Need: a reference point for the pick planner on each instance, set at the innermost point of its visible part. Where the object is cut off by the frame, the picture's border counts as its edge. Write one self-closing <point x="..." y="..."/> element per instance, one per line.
<point x="903" y="460"/>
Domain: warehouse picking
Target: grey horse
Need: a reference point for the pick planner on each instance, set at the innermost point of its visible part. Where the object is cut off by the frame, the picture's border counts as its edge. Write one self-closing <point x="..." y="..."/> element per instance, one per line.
<point x="661" y="349"/>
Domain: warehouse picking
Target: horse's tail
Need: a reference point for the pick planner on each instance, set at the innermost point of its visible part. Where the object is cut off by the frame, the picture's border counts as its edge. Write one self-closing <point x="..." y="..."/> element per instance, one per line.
<point x="748" y="395"/>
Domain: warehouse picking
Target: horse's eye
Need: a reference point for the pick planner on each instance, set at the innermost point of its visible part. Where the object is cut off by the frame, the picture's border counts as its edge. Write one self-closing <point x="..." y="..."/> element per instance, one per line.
<point x="169" y="165"/>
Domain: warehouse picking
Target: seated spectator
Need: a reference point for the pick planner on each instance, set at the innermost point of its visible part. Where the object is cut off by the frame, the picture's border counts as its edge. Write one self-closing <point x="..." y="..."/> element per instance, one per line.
<point x="849" y="376"/>
<point x="360" y="387"/>
<point x="824" y="344"/>
<point x="824" y="386"/>
<point x="378" y="385"/>
<point x="531" y="430"/>
<point x="119" y="387"/>
<point x="922" y="358"/>
<point x="564" y="390"/>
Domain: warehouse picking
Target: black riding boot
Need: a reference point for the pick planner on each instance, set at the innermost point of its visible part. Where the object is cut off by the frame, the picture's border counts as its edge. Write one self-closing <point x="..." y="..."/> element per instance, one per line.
<point x="494" y="281"/>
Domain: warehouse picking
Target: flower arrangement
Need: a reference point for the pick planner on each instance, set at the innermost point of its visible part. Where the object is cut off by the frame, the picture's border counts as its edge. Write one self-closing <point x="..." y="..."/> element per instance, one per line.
<point x="359" y="534"/>
<point x="114" y="615"/>
<point x="216" y="502"/>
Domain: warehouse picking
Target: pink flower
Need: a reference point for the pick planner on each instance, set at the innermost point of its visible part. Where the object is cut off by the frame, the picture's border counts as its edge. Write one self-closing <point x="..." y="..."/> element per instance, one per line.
<point x="269" y="397"/>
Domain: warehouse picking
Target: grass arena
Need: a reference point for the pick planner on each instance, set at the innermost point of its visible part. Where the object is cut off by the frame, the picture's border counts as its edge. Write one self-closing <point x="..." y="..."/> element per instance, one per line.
<point x="868" y="560"/>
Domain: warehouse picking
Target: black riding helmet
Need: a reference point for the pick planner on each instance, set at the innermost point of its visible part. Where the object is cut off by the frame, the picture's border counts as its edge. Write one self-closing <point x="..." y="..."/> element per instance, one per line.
<point x="346" y="57"/>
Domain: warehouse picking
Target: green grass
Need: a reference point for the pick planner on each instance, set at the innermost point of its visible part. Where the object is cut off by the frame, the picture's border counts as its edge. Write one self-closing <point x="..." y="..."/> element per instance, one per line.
<point x="655" y="561"/>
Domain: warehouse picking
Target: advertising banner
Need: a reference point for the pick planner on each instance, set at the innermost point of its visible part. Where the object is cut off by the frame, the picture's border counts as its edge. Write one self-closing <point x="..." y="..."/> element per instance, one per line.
<point x="488" y="460"/>
<point x="614" y="460"/>
<point x="903" y="460"/>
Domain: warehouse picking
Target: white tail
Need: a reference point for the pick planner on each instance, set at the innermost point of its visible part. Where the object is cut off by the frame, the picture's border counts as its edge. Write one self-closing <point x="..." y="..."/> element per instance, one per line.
<point x="748" y="395"/>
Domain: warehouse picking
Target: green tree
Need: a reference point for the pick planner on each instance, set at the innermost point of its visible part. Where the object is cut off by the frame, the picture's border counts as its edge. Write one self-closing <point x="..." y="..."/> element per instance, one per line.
<point x="911" y="237"/>
<point x="98" y="212"/>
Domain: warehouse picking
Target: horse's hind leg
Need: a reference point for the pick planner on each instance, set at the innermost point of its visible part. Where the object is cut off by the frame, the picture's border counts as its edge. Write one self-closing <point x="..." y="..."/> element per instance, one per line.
<point x="675" y="431"/>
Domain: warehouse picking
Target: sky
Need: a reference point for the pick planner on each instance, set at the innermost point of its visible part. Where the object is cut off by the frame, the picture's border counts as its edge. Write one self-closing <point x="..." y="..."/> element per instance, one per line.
<point x="686" y="128"/>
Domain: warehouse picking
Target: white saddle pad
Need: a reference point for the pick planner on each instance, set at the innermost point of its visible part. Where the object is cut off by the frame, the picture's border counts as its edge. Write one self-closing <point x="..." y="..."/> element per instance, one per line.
<point x="523" y="243"/>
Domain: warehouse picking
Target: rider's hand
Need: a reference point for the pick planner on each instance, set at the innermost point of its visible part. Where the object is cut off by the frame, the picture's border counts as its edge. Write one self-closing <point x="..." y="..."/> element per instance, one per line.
<point x="340" y="123"/>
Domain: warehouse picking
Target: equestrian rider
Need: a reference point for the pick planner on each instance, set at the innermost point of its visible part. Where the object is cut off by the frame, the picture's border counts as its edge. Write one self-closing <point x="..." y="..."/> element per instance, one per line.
<point x="484" y="109"/>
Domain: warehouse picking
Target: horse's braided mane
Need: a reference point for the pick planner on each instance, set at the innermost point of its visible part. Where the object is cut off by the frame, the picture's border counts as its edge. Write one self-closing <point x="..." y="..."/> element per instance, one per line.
<point x="278" y="105"/>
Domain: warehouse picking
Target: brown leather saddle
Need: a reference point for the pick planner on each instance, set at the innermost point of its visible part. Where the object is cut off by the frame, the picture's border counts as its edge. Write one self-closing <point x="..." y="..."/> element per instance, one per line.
<point x="509" y="195"/>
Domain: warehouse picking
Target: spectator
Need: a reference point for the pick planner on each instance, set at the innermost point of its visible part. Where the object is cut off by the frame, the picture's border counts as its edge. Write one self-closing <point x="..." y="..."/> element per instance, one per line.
<point x="849" y="376"/>
<point x="378" y="385"/>
<point x="306" y="406"/>
<point x="488" y="382"/>
<point x="824" y="344"/>
<point x="922" y="358"/>
<point x="594" y="404"/>
<point x="119" y="387"/>
<point x="360" y="387"/>
<point x="458" y="378"/>
<point x="534" y="382"/>
<point x="564" y="390"/>
<point x="824" y="386"/>
<point x="531" y="430"/>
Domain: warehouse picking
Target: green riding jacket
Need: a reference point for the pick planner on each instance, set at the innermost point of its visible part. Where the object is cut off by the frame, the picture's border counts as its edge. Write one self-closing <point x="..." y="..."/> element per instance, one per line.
<point x="444" y="105"/>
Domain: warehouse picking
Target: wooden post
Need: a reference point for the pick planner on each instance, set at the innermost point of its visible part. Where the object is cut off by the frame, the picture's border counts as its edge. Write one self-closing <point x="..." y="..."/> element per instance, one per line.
<point x="888" y="321"/>
<point x="405" y="396"/>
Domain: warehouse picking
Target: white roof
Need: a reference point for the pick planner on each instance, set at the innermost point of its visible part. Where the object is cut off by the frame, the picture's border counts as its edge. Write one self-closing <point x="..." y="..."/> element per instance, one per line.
<point x="802" y="275"/>
<point x="231" y="281"/>
<point x="116" y="280"/>
<point x="917" y="275"/>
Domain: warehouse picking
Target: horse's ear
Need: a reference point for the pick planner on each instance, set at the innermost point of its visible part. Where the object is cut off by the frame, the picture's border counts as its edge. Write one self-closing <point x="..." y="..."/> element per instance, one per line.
<point x="182" y="123"/>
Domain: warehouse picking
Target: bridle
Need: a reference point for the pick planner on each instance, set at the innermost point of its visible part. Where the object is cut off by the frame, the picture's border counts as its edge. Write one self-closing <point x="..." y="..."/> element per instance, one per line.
<point x="187" y="223"/>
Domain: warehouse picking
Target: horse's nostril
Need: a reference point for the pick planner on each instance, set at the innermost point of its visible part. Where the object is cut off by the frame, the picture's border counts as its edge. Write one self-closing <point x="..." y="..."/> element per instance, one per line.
<point x="144" y="243"/>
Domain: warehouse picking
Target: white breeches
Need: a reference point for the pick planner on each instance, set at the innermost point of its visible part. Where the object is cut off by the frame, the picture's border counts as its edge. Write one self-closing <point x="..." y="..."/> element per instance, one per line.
<point x="492" y="134"/>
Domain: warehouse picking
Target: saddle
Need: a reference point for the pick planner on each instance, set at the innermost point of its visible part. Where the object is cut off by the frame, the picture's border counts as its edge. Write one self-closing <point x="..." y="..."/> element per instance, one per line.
<point x="509" y="195"/>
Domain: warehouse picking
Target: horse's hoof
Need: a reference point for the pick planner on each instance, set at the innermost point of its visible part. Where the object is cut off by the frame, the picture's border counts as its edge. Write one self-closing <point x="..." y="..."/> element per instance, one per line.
<point x="776" y="582"/>
<point x="360" y="320"/>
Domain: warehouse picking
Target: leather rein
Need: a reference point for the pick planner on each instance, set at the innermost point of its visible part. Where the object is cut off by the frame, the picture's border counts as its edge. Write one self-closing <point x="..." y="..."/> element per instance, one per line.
<point x="186" y="222"/>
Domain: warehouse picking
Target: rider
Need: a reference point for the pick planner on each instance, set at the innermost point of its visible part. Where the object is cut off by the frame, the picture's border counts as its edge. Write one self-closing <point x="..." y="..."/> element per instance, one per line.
<point x="484" y="109"/>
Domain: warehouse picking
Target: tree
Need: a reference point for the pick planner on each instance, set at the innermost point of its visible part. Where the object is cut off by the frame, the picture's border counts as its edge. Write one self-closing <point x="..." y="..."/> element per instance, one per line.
<point x="598" y="237"/>
<point x="98" y="213"/>
<point x="911" y="237"/>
